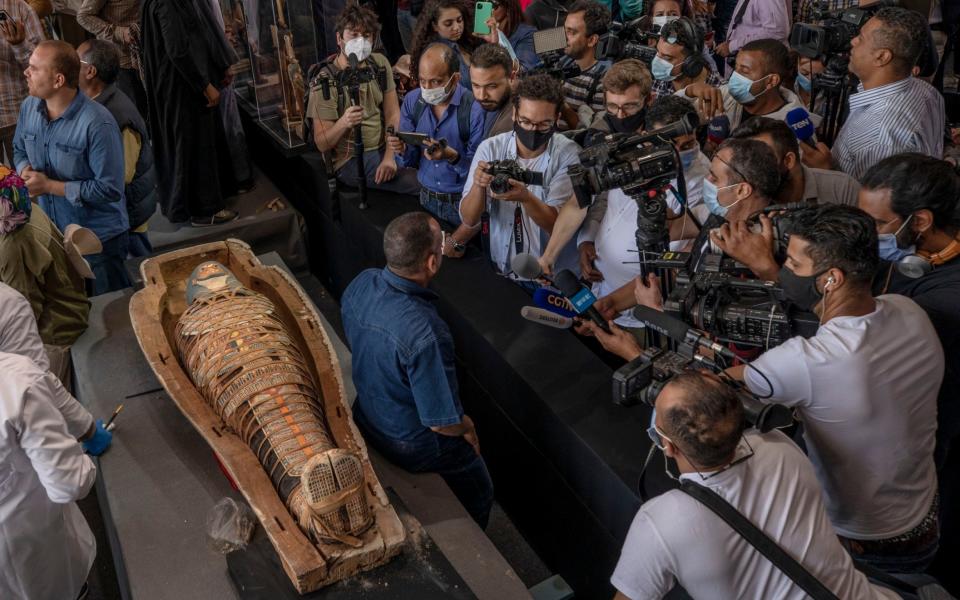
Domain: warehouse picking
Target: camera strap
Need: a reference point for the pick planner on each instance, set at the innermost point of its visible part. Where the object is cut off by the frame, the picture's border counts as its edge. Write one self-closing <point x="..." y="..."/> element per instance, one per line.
<point x="758" y="539"/>
<point x="518" y="229"/>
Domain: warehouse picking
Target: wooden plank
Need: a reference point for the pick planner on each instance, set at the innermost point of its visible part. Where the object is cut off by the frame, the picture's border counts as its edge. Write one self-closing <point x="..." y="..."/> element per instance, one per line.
<point x="154" y="312"/>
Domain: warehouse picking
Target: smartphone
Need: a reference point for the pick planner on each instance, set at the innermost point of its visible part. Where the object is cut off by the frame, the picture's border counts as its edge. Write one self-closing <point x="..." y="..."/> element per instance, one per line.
<point x="483" y="12"/>
<point x="411" y="138"/>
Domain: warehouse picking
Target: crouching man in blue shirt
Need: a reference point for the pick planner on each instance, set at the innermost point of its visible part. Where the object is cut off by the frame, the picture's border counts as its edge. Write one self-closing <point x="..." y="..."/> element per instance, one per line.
<point x="407" y="403"/>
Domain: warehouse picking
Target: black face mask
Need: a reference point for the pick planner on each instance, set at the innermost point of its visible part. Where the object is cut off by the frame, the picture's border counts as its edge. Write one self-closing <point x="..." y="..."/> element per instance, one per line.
<point x="627" y="124"/>
<point x="533" y="140"/>
<point x="800" y="290"/>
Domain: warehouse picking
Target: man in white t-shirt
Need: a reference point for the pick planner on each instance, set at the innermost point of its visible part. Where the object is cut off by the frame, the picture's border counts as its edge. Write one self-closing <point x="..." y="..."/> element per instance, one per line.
<point x="674" y="539"/>
<point x="522" y="217"/>
<point x="865" y="387"/>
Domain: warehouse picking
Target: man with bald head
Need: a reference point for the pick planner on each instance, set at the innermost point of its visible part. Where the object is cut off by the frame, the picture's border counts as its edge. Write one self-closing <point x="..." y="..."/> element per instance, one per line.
<point x="699" y="422"/>
<point x="453" y="121"/>
<point x="68" y="151"/>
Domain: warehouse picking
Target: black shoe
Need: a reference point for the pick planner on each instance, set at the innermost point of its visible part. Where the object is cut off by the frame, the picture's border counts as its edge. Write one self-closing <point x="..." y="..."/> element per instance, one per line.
<point x="224" y="216"/>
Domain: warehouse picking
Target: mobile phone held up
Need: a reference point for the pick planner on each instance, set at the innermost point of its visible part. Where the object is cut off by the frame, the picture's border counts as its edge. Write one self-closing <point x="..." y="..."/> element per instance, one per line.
<point x="480" y="16"/>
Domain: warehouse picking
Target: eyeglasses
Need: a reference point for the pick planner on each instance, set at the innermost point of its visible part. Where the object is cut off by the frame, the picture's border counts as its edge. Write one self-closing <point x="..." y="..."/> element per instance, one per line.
<point x="629" y="109"/>
<point x="732" y="168"/>
<point x="529" y="125"/>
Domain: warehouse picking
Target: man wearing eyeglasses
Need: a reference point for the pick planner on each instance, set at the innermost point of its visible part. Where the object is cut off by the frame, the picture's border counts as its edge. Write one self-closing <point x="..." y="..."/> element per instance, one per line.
<point x="522" y="218"/>
<point x="674" y="540"/>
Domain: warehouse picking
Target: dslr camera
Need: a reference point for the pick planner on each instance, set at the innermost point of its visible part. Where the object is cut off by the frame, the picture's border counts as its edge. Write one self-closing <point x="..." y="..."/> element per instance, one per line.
<point x="504" y="170"/>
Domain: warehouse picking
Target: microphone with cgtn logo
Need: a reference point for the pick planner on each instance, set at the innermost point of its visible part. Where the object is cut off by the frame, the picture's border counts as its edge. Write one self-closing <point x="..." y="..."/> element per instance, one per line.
<point x="799" y="121"/>
<point x="580" y="297"/>
<point x="548" y="299"/>
<point x="546" y="317"/>
<point x="676" y="329"/>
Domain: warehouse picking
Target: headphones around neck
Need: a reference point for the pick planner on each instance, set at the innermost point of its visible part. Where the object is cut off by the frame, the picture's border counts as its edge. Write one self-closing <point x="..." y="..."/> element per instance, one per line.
<point x="687" y="34"/>
<point x="917" y="265"/>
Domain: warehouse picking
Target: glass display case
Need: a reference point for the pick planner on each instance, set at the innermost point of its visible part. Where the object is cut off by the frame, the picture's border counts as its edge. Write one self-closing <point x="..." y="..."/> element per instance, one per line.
<point x="276" y="43"/>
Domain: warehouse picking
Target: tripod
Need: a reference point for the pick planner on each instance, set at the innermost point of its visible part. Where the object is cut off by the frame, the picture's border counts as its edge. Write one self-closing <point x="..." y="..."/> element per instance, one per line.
<point x="835" y="84"/>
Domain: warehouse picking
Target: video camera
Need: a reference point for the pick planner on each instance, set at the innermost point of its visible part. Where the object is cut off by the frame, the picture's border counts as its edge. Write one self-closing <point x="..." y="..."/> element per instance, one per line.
<point x="643" y="378"/>
<point x="503" y="170"/>
<point x="836" y="30"/>
<point x="613" y="48"/>
<point x="634" y="162"/>
<point x="549" y="46"/>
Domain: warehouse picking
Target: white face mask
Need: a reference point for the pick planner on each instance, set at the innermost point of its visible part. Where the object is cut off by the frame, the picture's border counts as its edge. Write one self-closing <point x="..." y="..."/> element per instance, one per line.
<point x="437" y="95"/>
<point x="663" y="20"/>
<point x="360" y="46"/>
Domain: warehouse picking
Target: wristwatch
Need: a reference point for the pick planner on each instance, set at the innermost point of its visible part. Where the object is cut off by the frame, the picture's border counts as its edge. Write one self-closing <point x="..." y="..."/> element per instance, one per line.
<point x="458" y="246"/>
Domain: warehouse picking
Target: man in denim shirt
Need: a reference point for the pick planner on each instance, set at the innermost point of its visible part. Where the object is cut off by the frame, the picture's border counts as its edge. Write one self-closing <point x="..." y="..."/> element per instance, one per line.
<point x="407" y="403"/>
<point x="442" y="109"/>
<point x="68" y="151"/>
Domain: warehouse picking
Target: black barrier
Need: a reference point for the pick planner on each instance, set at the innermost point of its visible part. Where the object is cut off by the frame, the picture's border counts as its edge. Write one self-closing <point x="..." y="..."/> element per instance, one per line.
<point x="564" y="459"/>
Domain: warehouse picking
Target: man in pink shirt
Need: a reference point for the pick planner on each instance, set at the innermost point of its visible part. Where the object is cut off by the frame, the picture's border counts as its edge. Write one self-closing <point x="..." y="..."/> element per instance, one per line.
<point x="755" y="20"/>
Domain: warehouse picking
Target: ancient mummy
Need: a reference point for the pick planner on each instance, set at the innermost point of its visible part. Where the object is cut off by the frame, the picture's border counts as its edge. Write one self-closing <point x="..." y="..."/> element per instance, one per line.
<point x="245" y="364"/>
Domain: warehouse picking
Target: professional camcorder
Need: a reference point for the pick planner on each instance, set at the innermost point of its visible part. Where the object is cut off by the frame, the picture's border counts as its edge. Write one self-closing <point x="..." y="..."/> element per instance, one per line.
<point x="643" y="378"/>
<point x="549" y="45"/>
<point x="633" y="162"/>
<point x="503" y="170"/>
<point x="836" y="30"/>
<point x="626" y="41"/>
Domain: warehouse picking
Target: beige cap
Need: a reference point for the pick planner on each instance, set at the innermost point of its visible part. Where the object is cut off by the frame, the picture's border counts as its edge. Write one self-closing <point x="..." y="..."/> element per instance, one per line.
<point x="79" y="242"/>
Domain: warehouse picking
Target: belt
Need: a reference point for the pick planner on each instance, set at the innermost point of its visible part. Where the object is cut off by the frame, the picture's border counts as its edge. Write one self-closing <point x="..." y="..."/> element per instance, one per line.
<point x="924" y="534"/>
<point x="451" y="197"/>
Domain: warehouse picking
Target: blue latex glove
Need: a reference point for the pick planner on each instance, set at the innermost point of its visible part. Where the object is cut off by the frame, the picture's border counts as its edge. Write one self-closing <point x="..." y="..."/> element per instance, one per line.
<point x="100" y="441"/>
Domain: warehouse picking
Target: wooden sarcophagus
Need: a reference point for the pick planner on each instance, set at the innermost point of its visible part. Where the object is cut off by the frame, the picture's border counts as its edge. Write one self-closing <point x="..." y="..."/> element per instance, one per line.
<point x="241" y="350"/>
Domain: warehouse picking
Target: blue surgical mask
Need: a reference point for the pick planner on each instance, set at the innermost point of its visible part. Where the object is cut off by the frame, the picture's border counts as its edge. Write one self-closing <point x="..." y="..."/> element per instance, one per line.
<point x="688" y="156"/>
<point x="804" y="83"/>
<point x="889" y="250"/>
<point x="889" y="246"/>
<point x="661" y="69"/>
<point x="710" y="192"/>
<point x="739" y="87"/>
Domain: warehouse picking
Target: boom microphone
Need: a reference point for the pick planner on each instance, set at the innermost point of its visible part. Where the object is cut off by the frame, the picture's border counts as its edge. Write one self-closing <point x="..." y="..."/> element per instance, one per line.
<point x="676" y="329"/>
<point x="545" y="317"/>
<point x="554" y="302"/>
<point x="799" y="121"/>
<point x="581" y="297"/>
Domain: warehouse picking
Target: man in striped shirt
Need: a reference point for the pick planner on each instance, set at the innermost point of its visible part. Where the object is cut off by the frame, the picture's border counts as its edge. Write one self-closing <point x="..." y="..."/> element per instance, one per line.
<point x="20" y="33"/>
<point x="118" y="21"/>
<point x="892" y="112"/>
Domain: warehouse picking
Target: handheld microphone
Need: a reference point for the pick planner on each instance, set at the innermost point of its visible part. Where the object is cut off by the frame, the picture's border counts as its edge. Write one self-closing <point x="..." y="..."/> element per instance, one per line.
<point x="719" y="129"/>
<point x="554" y="302"/>
<point x="353" y="60"/>
<point x="526" y="266"/>
<point x="799" y="121"/>
<point x="546" y="317"/>
<point x="676" y="329"/>
<point x="580" y="297"/>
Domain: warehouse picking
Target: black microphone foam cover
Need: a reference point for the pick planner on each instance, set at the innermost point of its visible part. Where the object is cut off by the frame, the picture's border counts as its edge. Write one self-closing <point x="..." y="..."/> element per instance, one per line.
<point x="675" y="329"/>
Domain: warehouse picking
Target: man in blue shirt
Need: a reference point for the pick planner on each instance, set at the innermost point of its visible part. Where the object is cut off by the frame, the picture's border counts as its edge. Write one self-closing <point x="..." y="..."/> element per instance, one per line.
<point x="444" y="110"/>
<point x="407" y="403"/>
<point x="68" y="151"/>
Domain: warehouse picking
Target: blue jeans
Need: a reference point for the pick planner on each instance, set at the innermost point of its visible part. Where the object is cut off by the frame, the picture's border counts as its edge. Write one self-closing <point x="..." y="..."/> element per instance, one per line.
<point x="450" y="457"/>
<point x="445" y="211"/>
<point x="108" y="266"/>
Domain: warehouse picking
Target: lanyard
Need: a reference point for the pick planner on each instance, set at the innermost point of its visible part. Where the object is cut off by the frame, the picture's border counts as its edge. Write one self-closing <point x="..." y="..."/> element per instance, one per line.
<point x="518" y="229"/>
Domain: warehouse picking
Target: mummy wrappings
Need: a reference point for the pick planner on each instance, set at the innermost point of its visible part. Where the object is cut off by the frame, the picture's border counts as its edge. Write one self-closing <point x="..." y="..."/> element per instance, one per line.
<point x="247" y="367"/>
